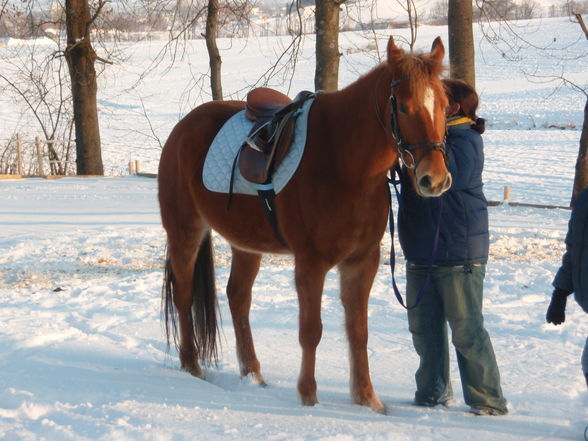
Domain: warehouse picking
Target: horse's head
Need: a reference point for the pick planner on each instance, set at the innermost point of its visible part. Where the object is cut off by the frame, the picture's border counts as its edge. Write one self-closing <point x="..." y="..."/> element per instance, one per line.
<point x="417" y="106"/>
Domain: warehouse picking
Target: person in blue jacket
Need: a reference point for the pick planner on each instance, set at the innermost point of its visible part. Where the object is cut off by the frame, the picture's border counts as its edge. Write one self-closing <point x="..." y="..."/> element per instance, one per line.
<point x="453" y="285"/>
<point x="572" y="276"/>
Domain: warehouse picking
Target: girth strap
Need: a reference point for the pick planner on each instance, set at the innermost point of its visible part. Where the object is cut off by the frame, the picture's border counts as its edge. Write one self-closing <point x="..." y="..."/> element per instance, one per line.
<point x="267" y="197"/>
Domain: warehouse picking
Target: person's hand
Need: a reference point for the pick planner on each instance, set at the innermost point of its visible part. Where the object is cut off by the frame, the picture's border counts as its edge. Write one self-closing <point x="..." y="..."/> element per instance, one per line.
<point x="556" y="312"/>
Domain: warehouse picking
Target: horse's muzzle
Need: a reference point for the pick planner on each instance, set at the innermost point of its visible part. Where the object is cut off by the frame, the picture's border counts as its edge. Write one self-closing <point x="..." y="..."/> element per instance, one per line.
<point x="431" y="186"/>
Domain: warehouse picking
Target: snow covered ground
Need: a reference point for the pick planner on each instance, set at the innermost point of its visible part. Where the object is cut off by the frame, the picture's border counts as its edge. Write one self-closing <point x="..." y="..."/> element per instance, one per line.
<point x="82" y="351"/>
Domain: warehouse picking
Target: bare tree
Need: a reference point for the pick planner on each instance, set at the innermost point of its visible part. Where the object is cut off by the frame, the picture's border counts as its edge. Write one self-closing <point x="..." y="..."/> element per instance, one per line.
<point x="438" y="13"/>
<point x="80" y="56"/>
<point x="216" y="15"/>
<point x="76" y="83"/>
<point x="461" y="41"/>
<point x="413" y="23"/>
<point x="497" y="9"/>
<point x="213" y="52"/>
<point x="36" y="78"/>
<point x="527" y="9"/>
<point x="507" y="9"/>
<point x="578" y="16"/>
<point x="326" y="75"/>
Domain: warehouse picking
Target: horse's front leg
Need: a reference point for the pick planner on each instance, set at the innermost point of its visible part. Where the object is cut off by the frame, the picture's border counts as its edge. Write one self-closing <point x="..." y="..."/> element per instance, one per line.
<point x="310" y="278"/>
<point x="357" y="275"/>
<point x="244" y="269"/>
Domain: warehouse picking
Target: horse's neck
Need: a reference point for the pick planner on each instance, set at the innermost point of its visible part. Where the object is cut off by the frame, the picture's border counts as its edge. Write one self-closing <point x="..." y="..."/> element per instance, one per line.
<point x="363" y="132"/>
<point x="367" y="96"/>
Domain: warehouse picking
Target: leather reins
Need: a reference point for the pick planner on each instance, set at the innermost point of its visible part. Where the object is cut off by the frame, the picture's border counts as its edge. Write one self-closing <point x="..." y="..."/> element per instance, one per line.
<point x="406" y="149"/>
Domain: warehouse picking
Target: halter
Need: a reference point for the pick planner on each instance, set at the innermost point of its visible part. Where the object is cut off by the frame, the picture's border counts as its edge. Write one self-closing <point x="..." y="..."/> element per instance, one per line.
<point x="403" y="147"/>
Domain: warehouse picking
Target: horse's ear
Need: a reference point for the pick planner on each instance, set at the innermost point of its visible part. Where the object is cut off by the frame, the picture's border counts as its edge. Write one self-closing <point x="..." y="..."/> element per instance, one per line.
<point x="394" y="52"/>
<point x="438" y="50"/>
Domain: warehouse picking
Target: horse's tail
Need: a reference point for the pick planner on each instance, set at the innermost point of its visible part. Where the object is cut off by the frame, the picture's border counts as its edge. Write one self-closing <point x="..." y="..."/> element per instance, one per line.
<point x="204" y="303"/>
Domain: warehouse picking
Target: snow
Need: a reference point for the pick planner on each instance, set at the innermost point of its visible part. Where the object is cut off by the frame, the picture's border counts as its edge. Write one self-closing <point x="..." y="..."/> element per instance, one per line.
<point x="82" y="350"/>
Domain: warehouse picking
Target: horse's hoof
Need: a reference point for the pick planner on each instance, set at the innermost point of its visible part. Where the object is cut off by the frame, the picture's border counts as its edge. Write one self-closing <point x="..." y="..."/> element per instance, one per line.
<point x="382" y="410"/>
<point x="254" y="377"/>
<point x="376" y="405"/>
<point x="309" y="401"/>
<point x="258" y="378"/>
<point x="372" y="401"/>
<point x="195" y="371"/>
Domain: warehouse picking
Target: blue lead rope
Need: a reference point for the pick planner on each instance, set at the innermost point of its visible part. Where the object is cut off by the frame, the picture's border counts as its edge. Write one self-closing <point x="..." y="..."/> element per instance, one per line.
<point x="395" y="183"/>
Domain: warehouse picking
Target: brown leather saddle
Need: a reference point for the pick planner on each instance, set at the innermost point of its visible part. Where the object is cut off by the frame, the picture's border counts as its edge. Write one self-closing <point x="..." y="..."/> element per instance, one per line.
<point x="269" y="140"/>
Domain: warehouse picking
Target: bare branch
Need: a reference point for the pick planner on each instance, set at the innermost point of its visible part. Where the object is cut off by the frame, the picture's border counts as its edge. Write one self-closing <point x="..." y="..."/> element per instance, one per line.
<point x="153" y="135"/>
<point x="287" y="59"/>
<point x="3" y="5"/>
<point x="101" y="4"/>
<point x="582" y="24"/>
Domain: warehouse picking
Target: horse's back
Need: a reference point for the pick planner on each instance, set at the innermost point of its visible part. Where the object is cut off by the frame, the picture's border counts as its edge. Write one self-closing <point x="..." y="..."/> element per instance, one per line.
<point x="184" y="152"/>
<point x="193" y="134"/>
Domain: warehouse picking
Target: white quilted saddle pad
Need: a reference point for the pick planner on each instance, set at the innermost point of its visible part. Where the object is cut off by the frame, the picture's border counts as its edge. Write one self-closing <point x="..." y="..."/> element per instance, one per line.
<point x="219" y="160"/>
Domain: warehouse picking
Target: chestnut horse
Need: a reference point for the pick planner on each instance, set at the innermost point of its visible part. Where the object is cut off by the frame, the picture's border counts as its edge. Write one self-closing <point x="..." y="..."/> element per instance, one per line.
<point x="333" y="212"/>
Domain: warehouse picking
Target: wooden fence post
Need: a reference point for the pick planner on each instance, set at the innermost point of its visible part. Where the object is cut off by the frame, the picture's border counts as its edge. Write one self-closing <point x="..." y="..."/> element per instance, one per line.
<point x="137" y="169"/>
<point x="39" y="155"/>
<point x="131" y="168"/>
<point x="506" y="198"/>
<point x="19" y="165"/>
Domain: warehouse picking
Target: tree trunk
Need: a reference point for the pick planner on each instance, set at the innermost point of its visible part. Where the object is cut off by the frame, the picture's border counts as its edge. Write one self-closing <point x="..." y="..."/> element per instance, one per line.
<point x="80" y="59"/>
<point x="461" y="41"/>
<point x="213" y="53"/>
<point x="581" y="176"/>
<point x="326" y="76"/>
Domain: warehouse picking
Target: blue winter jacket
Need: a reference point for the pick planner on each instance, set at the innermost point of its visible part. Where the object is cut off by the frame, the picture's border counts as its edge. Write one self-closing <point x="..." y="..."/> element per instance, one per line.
<point x="573" y="273"/>
<point x="464" y="237"/>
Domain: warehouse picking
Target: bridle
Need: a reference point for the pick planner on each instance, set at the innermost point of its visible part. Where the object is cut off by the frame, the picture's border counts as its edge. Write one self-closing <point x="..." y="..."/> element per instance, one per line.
<point x="405" y="149"/>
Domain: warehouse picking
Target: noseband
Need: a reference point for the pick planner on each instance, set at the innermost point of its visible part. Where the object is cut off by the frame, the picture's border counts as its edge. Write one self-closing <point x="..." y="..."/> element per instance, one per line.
<point x="404" y="148"/>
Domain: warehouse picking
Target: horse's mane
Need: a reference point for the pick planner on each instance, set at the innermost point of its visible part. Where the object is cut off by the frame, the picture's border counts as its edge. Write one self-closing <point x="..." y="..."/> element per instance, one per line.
<point x="421" y="70"/>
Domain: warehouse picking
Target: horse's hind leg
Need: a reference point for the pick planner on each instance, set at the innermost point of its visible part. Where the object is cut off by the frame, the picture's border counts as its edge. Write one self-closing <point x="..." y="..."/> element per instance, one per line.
<point x="357" y="275"/>
<point x="244" y="269"/>
<point x="182" y="254"/>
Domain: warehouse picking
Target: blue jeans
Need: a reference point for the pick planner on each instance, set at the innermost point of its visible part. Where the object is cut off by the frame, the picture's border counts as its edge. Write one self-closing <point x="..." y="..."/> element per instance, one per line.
<point x="454" y="296"/>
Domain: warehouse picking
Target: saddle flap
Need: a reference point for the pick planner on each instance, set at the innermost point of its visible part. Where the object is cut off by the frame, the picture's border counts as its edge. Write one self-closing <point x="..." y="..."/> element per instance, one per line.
<point x="257" y="166"/>
<point x="263" y="102"/>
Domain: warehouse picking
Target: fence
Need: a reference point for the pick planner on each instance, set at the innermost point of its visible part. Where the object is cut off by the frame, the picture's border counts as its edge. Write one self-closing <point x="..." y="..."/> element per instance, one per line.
<point x="21" y="157"/>
<point x="33" y="158"/>
<point x="506" y="201"/>
<point x="134" y="168"/>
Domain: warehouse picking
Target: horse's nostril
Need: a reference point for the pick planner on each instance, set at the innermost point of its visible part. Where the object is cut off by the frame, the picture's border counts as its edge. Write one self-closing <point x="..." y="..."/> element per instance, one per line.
<point x="425" y="181"/>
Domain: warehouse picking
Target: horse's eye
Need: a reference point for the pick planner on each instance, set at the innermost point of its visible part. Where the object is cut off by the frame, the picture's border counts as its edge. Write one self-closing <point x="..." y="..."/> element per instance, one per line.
<point x="402" y="108"/>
